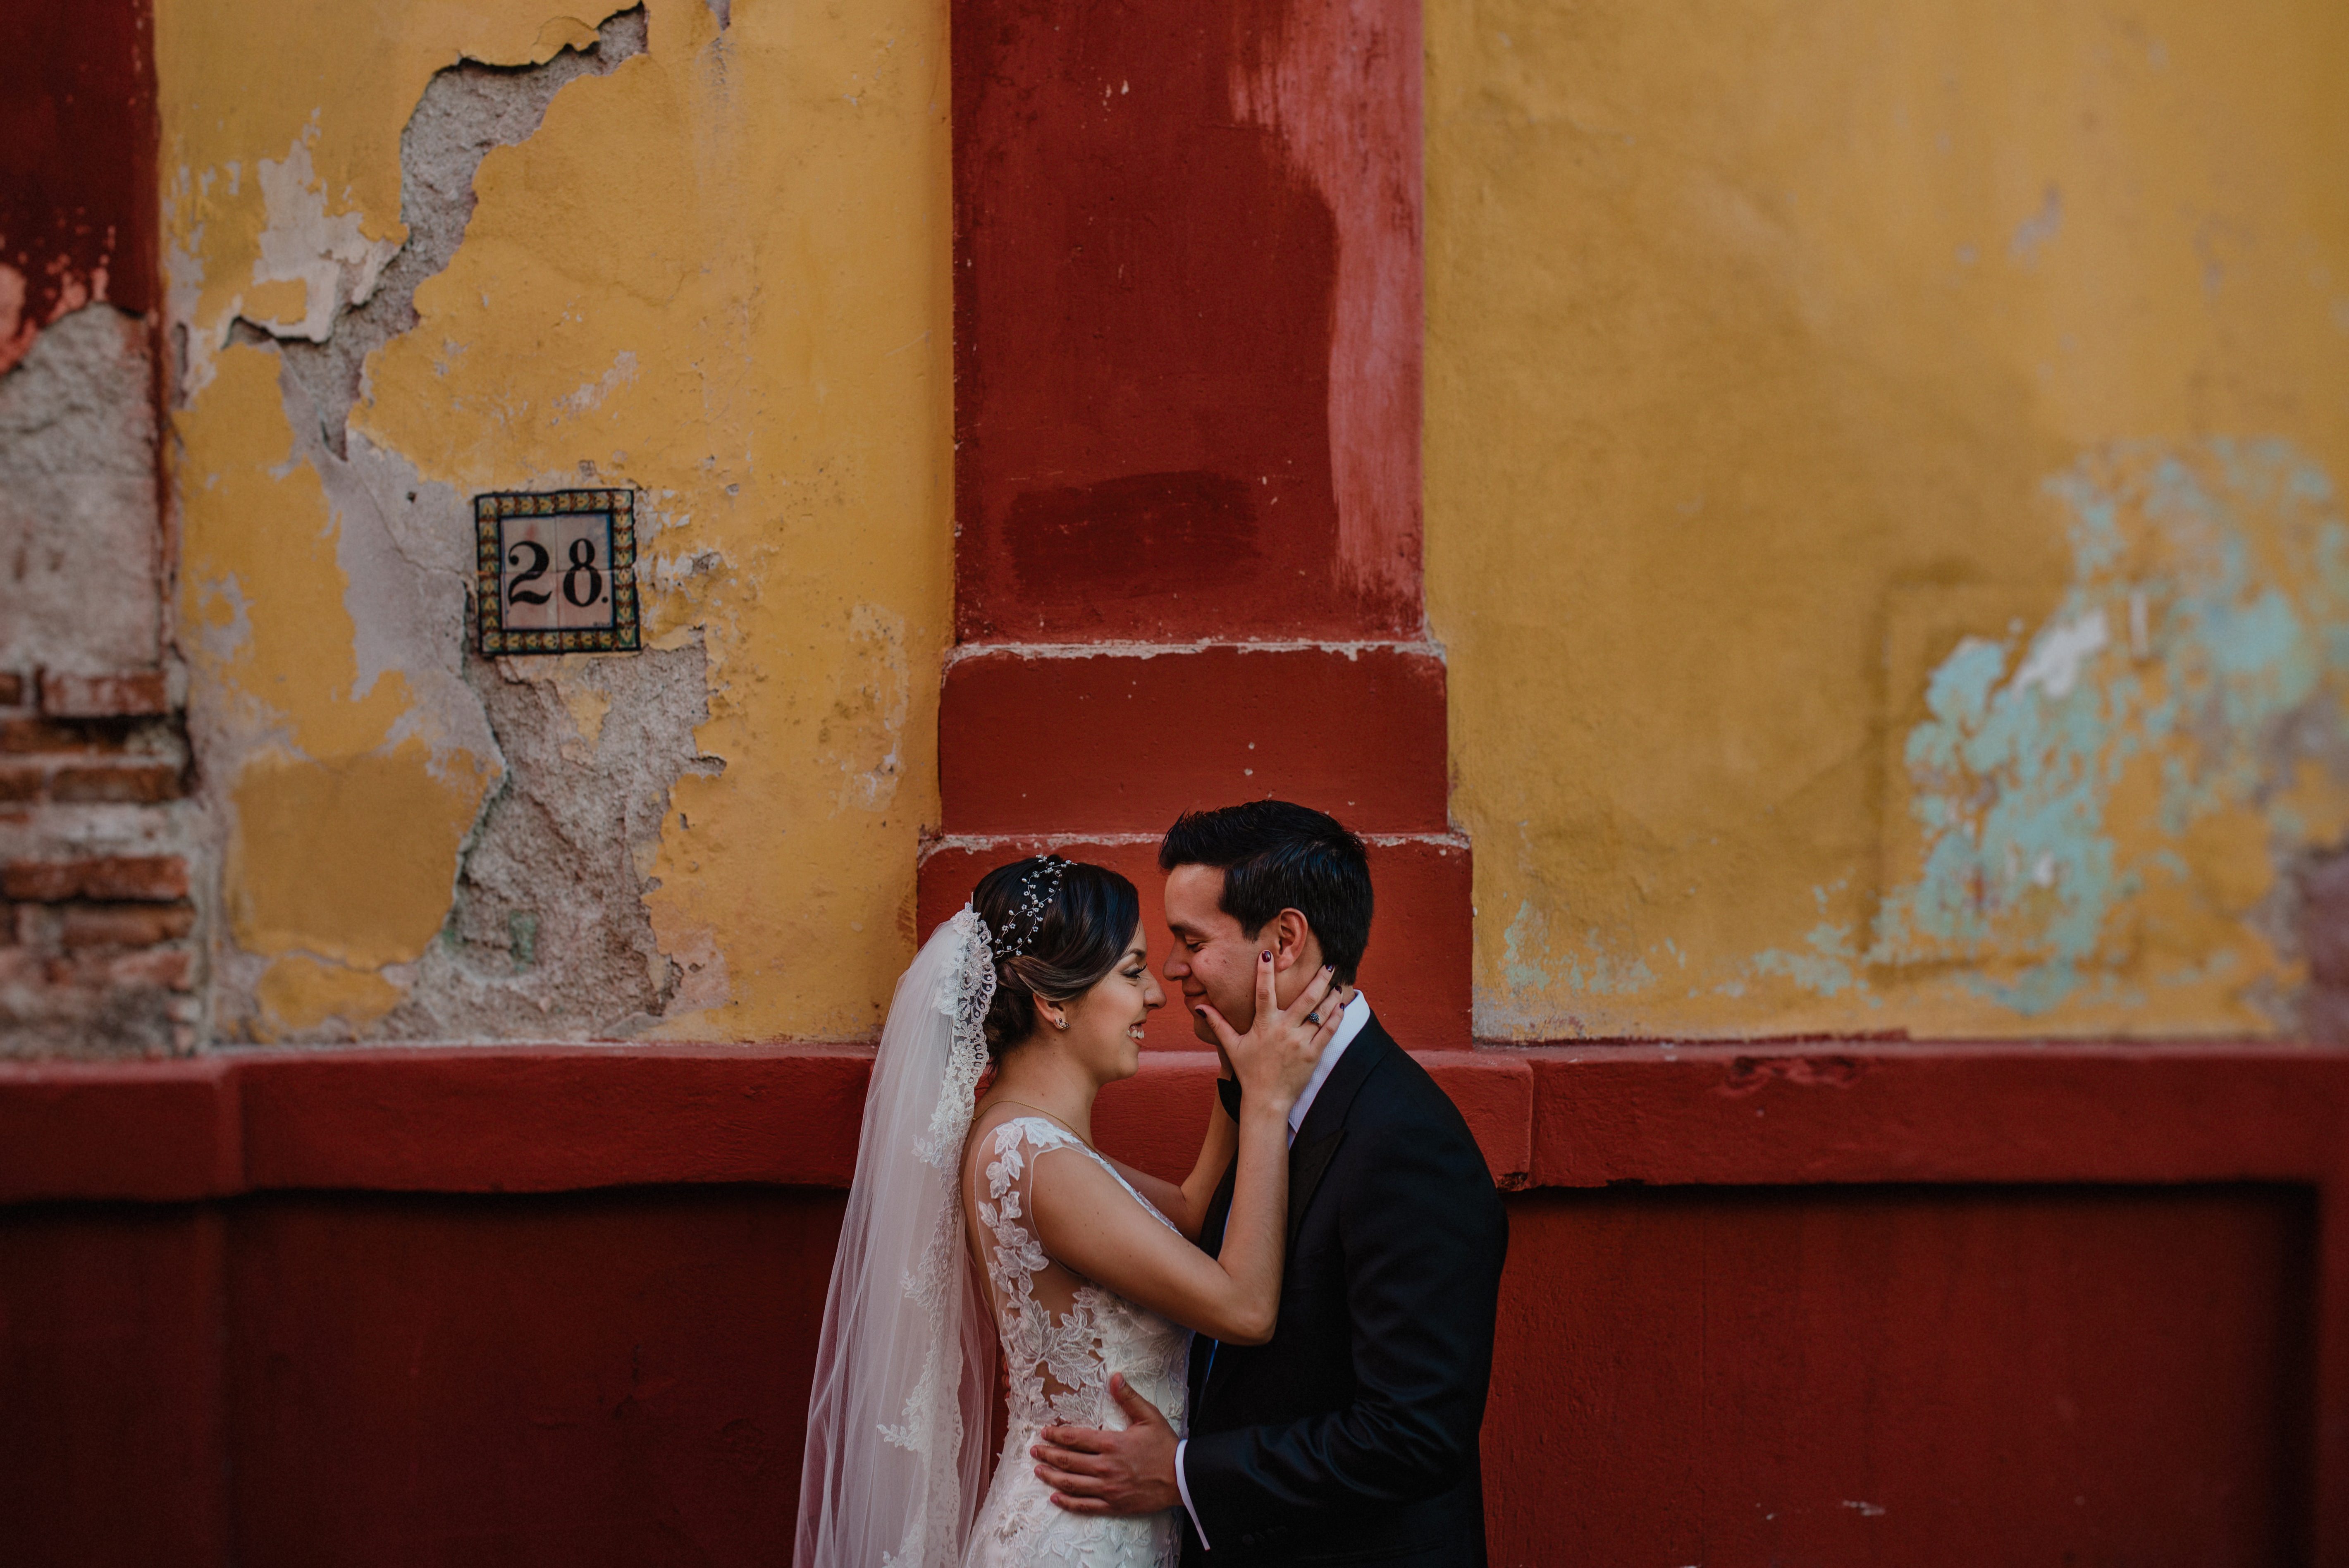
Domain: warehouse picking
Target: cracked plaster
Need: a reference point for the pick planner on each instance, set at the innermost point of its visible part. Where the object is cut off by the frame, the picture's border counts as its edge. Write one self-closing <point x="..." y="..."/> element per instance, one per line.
<point x="421" y="845"/>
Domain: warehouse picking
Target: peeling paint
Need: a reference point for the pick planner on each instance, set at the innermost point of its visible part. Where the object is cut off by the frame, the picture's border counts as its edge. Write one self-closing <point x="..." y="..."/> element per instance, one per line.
<point x="1533" y="965"/>
<point x="300" y="996"/>
<point x="1740" y="410"/>
<point x="430" y="296"/>
<point x="330" y="261"/>
<point x="1342" y="132"/>
<point x="2052" y="804"/>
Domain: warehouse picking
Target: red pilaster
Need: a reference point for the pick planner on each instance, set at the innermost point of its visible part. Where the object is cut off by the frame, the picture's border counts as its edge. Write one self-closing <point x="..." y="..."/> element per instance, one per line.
<point x="1187" y="396"/>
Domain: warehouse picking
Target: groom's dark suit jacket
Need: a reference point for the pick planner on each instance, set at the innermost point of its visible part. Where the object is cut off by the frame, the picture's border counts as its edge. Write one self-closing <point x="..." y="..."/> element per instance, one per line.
<point x="1351" y="1436"/>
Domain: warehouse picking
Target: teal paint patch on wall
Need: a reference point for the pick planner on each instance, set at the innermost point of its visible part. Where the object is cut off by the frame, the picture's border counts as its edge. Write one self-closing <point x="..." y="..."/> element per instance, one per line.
<point x="2196" y="664"/>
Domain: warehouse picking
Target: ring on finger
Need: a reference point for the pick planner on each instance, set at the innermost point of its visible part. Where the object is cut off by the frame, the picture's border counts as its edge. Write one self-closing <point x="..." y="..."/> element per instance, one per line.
<point x="1312" y="1017"/>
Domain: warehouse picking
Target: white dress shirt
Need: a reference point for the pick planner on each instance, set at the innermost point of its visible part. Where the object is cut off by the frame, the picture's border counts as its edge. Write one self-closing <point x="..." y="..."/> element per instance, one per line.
<point x="1357" y="1013"/>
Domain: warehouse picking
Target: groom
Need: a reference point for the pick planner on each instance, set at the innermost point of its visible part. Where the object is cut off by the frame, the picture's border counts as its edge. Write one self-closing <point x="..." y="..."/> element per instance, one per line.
<point x="1351" y="1435"/>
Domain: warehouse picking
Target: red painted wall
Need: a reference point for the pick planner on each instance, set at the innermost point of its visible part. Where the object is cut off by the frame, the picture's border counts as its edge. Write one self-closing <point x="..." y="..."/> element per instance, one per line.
<point x="77" y="195"/>
<point x="1904" y="1376"/>
<point x="347" y="1309"/>
<point x="1188" y="280"/>
<point x="620" y="1377"/>
<point x="1187" y="319"/>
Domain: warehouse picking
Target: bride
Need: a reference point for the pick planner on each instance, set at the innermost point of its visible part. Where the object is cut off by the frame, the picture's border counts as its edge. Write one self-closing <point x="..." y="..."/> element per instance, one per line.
<point x="968" y="1228"/>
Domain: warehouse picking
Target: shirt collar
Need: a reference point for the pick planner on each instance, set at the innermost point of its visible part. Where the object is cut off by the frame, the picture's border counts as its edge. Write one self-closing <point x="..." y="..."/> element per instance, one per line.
<point x="1357" y="1013"/>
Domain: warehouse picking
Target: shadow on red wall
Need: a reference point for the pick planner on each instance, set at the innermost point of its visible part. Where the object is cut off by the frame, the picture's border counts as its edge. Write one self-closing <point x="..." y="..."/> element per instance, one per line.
<point x="1918" y="1376"/>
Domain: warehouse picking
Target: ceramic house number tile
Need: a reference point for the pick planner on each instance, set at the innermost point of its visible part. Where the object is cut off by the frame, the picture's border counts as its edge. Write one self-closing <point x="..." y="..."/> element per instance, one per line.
<point x="557" y="571"/>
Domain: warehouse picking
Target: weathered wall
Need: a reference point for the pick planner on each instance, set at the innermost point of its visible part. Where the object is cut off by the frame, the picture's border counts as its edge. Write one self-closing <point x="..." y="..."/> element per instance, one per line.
<point x="423" y="251"/>
<point x="1882" y="509"/>
<point x="1186" y="455"/>
<point x="96" y="913"/>
<point x="76" y="164"/>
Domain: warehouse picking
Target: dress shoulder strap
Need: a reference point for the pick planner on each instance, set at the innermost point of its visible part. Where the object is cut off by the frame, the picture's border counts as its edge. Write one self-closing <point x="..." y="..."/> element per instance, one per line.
<point x="1042" y="1137"/>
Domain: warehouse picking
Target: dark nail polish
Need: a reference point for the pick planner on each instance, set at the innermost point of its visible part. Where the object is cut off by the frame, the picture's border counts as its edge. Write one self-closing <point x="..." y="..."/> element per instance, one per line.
<point x="1265" y="955"/>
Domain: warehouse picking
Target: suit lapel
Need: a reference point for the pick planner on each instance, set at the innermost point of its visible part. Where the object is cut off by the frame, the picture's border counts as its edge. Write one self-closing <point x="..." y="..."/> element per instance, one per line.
<point x="1307" y="1161"/>
<point x="1324" y="1127"/>
<point x="1364" y="1053"/>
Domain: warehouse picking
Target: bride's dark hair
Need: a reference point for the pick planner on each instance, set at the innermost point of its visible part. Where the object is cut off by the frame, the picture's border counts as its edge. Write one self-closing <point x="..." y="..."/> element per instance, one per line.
<point x="1058" y="927"/>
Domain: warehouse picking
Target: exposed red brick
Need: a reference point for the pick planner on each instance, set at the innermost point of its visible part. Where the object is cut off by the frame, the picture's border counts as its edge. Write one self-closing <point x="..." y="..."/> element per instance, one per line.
<point x="22" y="736"/>
<point x="147" y="879"/>
<point x="11" y="691"/>
<point x="33" y="924"/>
<point x="167" y="968"/>
<point x="83" y="779"/>
<point x="105" y="697"/>
<point x="138" y="783"/>
<point x="125" y="924"/>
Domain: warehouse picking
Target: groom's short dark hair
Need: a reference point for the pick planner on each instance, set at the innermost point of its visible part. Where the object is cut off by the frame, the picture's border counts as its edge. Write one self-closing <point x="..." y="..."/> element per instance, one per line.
<point x="1276" y="856"/>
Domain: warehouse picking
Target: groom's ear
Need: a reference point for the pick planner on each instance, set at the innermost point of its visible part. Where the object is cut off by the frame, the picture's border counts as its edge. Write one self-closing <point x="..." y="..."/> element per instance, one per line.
<point x="1290" y="936"/>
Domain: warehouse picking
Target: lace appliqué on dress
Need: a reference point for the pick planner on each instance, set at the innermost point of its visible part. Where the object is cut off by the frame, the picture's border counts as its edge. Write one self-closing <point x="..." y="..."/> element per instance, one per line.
<point x="1063" y="1336"/>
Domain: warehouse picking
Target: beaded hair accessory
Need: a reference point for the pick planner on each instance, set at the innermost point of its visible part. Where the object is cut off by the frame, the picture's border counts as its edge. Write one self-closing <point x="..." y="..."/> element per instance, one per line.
<point x="1036" y="890"/>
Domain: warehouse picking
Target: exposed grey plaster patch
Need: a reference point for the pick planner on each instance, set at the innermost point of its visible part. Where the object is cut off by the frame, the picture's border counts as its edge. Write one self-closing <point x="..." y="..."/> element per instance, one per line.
<point x="403" y="545"/>
<point x="548" y="935"/>
<point x="2305" y="914"/>
<point x="468" y="108"/>
<point x="550" y="938"/>
<point x="81" y="592"/>
<point x="723" y="10"/>
<point x="2318" y="891"/>
<point x="80" y="551"/>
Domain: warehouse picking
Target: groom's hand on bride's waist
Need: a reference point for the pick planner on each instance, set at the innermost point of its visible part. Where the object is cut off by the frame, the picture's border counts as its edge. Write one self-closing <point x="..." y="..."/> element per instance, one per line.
<point x="1095" y="1472"/>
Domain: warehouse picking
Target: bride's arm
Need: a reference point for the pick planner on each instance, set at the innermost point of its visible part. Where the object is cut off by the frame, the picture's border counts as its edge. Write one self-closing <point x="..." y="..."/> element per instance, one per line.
<point x="1186" y="1205"/>
<point x="1086" y="1221"/>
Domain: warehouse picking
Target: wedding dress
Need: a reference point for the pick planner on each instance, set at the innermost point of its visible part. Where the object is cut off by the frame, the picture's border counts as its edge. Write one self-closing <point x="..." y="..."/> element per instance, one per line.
<point x="1063" y="1336"/>
<point x="903" y="1382"/>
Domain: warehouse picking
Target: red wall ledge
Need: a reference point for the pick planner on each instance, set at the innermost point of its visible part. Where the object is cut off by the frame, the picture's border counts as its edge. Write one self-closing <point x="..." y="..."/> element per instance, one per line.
<point x="559" y="1119"/>
<point x="1937" y="1303"/>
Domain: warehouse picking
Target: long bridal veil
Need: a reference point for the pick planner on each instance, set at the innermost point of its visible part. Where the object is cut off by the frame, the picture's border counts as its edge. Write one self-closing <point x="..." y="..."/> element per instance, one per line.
<point x="905" y="1372"/>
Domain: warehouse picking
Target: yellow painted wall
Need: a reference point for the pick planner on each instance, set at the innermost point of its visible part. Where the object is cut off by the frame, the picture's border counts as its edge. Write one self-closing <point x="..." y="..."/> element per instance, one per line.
<point x="718" y="274"/>
<point x="1882" y="507"/>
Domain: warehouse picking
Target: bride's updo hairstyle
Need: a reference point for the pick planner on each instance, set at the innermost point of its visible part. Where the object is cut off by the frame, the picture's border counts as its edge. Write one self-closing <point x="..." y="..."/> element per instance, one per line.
<point x="1058" y="926"/>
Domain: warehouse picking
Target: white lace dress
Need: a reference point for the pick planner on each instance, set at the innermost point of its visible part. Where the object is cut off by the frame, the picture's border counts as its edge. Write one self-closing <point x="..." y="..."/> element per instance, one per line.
<point x="1063" y="1336"/>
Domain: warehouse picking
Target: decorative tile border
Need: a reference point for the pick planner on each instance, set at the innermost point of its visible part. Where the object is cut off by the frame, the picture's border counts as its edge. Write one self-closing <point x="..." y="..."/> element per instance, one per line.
<point x="496" y="581"/>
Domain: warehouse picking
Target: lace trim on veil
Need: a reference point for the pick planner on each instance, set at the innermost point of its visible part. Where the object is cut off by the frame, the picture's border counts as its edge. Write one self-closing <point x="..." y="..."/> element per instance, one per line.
<point x="965" y="1004"/>
<point x="900" y="1352"/>
<point x="932" y="1427"/>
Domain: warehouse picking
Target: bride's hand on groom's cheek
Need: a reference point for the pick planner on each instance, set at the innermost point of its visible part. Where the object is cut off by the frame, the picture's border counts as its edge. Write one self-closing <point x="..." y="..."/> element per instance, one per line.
<point x="1095" y="1471"/>
<point x="1277" y="1055"/>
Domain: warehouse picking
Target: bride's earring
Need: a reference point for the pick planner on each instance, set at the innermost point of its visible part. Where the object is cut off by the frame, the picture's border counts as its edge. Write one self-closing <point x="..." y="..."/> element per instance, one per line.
<point x="1061" y="1022"/>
